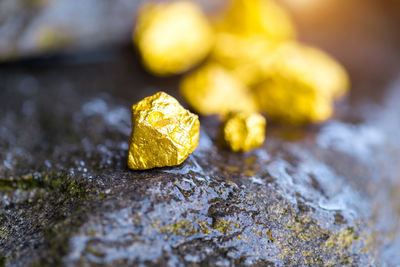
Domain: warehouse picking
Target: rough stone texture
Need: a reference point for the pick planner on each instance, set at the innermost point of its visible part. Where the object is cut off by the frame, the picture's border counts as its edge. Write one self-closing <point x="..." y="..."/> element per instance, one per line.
<point x="318" y="195"/>
<point x="330" y="195"/>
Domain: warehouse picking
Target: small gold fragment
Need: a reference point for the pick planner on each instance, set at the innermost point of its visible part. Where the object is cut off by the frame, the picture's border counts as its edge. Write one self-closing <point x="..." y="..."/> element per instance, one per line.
<point x="172" y="37"/>
<point x="163" y="133"/>
<point x="257" y="17"/>
<point x="213" y="90"/>
<point x="301" y="85"/>
<point x="243" y="131"/>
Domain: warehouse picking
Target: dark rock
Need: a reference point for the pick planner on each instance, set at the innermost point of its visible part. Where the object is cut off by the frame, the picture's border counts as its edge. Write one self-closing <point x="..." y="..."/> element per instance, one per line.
<point x="329" y="196"/>
<point x="326" y="194"/>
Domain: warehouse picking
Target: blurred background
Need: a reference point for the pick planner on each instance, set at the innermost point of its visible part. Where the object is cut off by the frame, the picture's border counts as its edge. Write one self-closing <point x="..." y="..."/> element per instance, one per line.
<point x="362" y="35"/>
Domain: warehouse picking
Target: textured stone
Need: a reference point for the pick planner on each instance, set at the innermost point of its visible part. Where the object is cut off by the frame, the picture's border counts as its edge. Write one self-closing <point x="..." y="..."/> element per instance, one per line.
<point x="318" y="195"/>
<point x="163" y="133"/>
<point x="327" y="195"/>
<point x="243" y="131"/>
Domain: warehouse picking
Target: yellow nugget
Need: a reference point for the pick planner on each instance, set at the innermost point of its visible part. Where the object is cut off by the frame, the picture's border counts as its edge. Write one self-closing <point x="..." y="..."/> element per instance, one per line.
<point x="301" y="85"/>
<point x="163" y="133"/>
<point x="172" y="37"/>
<point x="243" y="131"/>
<point x="257" y="17"/>
<point x="213" y="90"/>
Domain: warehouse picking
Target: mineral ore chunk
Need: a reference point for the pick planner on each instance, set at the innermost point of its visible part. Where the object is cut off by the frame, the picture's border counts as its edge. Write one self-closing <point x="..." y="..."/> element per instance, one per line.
<point x="257" y="17"/>
<point x="313" y="67"/>
<point x="172" y="37"/>
<point x="243" y="131"/>
<point x="247" y="34"/>
<point x="301" y="85"/>
<point x="245" y="57"/>
<point x="163" y="133"/>
<point x="213" y="90"/>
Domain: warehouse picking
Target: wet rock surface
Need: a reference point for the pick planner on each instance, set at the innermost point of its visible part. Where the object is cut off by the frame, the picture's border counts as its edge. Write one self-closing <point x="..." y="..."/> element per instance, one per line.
<point x="327" y="194"/>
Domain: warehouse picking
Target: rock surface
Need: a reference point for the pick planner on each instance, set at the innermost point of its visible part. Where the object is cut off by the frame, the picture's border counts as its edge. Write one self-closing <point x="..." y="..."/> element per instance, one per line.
<point x="327" y="194"/>
<point x="322" y="195"/>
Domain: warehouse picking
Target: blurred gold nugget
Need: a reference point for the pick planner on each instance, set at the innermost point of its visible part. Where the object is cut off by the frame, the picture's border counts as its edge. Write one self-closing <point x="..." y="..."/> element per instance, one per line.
<point x="301" y="85"/>
<point x="243" y="131"/>
<point x="213" y="90"/>
<point x="245" y="57"/>
<point x="257" y="17"/>
<point x="247" y="35"/>
<point x="293" y="84"/>
<point x="163" y="133"/>
<point x="172" y="37"/>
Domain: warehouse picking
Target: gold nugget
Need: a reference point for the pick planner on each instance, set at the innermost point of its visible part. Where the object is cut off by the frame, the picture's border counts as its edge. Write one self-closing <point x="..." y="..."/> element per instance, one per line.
<point x="313" y="66"/>
<point x="245" y="57"/>
<point x="213" y="90"/>
<point x="301" y="85"/>
<point x="243" y="131"/>
<point x="247" y="35"/>
<point x="257" y="17"/>
<point x="291" y="102"/>
<point x="163" y="133"/>
<point x="172" y="37"/>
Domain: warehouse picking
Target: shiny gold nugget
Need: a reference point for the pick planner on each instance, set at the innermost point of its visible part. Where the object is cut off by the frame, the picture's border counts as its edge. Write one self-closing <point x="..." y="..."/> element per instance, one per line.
<point x="163" y="133"/>
<point x="172" y="37"/>
<point x="301" y="85"/>
<point x="243" y="131"/>
<point x="213" y="90"/>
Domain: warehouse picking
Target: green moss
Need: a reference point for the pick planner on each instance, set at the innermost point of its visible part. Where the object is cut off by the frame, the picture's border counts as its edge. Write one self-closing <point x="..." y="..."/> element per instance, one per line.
<point x="50" y="181"/>
<point x="222" y="226"/>
<point x="3" y="260"/>
<point x="343" y="239"/>
<point x="305" y="242"/>
<point x="186" y="228"/>
<point x="4" y="232"/>
<point x="60" y="208"/>
<point x="204" y="227"/>
<point x="181" y="228"/>
<point x="91" y="233"/>
<point x="257" y="232"/>
<point x="89" y="249"/>
<point x="24" y="183"/>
